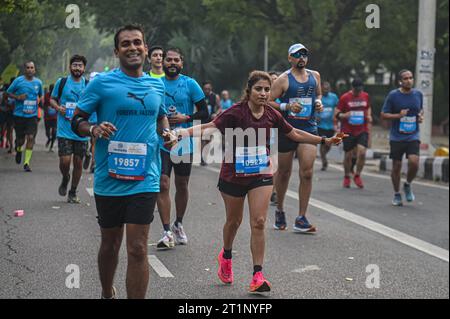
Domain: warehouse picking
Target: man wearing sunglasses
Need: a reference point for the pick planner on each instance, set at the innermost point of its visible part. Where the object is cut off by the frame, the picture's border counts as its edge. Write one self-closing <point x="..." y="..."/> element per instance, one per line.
<point x="299" y="91"/>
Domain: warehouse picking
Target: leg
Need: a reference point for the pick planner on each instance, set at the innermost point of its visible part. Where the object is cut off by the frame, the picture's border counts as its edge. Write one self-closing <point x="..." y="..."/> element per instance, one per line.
<point x="396" y="174"/>
<point x="258" y="201"/>
<point x="181" y="194"/>
<point x="348" y="162"/>
<point x="64" y="165"/>
<point x="283" y="175"/>
<point x="138" y="268"/>
<point x="234" y="208"/>
<point x="108" y="258"/>
<point x="163" y="201"/>
<point x="361" y="158"/>
<point x="306" y="155"/>
<point x="76" y="171"/>
<point x="324" y="149"/>
<point x="413" y="168"/>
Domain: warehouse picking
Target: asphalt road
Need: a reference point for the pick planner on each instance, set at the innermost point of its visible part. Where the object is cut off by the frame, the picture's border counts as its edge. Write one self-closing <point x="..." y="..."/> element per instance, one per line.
<point x="357" y="229"/>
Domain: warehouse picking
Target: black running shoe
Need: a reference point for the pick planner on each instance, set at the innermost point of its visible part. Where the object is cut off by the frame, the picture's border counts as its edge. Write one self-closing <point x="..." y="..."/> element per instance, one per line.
<point x="63" y="187"/>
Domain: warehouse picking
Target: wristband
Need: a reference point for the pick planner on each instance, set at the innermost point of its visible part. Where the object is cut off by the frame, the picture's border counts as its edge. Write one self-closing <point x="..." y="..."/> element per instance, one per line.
<point x="91" y="130"/>
<point x="318" y="101"/>
<point x="283" y="106"/>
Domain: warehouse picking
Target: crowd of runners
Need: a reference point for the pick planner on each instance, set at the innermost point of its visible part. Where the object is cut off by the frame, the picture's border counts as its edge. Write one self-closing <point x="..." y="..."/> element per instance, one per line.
<point x="132" y="128"/>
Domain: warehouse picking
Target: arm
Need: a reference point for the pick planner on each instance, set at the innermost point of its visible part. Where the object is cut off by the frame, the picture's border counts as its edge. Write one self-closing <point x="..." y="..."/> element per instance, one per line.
<point x="318" y="103"/>
<point x="390" y="116"/>
<point x="202" y="111"/>
<point x="279" y="87"/>
<point x="82" y="127"/>
<point x="300" y="136"/>
<point x="219" y="107"/>
<point x="54" y="104"/>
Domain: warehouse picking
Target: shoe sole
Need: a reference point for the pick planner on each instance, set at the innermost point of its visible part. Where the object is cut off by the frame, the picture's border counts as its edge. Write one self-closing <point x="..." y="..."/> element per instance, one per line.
<point x="312" y="230"/>
<point x="164" y="246"/>
<point x="264" y="288"/>
<point x="279" y="228"/>
<point x="397" y="205"/>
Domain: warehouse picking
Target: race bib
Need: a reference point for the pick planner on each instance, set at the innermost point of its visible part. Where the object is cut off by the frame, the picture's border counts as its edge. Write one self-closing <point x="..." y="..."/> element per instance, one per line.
<point x="70" y="109"/>
<point x="306" y="104"/>
<point x="126" y="161"/>
<point x="356" y="118"/>
<point x="29" y="106"/>
<point x="251" y="160"/>
<point x="326" y="113"/>
<point x="408" y="125"/>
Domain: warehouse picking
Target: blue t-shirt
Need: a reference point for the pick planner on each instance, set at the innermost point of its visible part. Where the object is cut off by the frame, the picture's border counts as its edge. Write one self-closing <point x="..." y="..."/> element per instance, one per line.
<point x="329" y="101"/>
<point x="305" y="95"/>
<point x="33" y="89"/>
<point x="93" y="118"/>
<point x="130" y="162"/>
<point x="405" y="129"/>
<point x="180" y="97"/>
<point x="70" y="96"/>
<point x="226" y="104"/>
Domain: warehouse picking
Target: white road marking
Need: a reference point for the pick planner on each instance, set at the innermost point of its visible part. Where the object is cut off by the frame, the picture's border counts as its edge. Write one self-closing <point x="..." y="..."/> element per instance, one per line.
<point x="159" y="267"/>
<point x="339" y="168"/>
<point x="90" y="191"/>
<point x="403" y="238"/>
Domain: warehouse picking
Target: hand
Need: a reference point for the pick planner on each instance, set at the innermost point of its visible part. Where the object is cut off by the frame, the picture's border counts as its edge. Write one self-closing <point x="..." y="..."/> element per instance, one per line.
<point x="319" y="106"/>
<point x="170" y="138"/>
<point x="294" y="107"/>
<point x="21" y="97"/>
<point x="404" y="112"/>
<point x="336" y="140"/>
<point x="104" y="130"/>
<point x="343" y="116"/>
<point x="420" y="118"/>
<point x="178" y="119"/>
<point x="62" y="110"/>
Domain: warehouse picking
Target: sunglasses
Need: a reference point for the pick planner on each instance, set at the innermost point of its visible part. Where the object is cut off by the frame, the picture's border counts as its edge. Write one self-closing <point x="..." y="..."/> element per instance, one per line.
<point x="299" y="54"/>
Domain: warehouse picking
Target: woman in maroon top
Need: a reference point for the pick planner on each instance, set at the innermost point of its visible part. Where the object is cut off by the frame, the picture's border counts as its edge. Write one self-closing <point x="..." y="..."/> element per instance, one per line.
<point x="249" y="170"/>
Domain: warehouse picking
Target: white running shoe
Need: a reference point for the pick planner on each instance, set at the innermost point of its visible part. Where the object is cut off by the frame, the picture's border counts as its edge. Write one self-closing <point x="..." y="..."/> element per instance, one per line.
<point x="180" y="235"/>
<point x="167" y="241"/>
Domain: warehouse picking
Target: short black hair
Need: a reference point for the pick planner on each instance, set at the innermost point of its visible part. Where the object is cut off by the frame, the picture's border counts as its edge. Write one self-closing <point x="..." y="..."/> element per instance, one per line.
<point x="176" y="50"/>
<point x="206" y="82"/>
<point x="27" y="62"/>
<point x="155" y="47"/>
<point x="78" y="58"/>
<point x="357" y="83"/>
<point x="129" y="27"/>
<point x="400" y="74"/>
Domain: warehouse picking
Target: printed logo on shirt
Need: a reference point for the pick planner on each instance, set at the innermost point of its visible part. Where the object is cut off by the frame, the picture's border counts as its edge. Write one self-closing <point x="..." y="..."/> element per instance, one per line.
<point x="137" y="98"/>
<point x="357" y="103"/>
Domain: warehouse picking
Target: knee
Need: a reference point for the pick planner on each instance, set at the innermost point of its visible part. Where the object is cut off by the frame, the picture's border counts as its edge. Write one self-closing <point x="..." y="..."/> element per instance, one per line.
<point x="137" y="251"/>
<point x="110" y="247"/>
<point x="234" y="223"/>
<point x="413" y="165"/>
<point x="165" y="184"/>
<point x="306" y="174"/>
<point x="283" y="174"/>
<point x="182" y="186"/>
<point x="259" y="223"/>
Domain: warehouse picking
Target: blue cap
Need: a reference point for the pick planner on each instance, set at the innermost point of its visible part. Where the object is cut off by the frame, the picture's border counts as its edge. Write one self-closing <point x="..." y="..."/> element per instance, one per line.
<point x="296" y="47"/>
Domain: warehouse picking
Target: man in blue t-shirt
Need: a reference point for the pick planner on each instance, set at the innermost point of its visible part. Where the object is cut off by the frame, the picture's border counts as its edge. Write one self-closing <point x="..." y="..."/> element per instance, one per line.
<point x="326" y="120"/>
<point x="64" y="99"/>
<point x="183" y="95"/>
<point x="404" y="107"/>
<point x="27" y="92"/>
<point x="130" y="112"/>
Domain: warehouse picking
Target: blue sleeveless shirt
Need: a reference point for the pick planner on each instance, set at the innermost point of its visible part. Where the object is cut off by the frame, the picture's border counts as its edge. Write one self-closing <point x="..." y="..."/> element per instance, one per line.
<point x="305" y="94"/>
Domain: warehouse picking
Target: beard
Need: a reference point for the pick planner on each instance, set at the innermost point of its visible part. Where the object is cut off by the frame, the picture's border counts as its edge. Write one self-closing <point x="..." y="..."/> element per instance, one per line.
<point x="76" y="74"/>
<point x="301" y="66"/>
<point x="172" y="74"/>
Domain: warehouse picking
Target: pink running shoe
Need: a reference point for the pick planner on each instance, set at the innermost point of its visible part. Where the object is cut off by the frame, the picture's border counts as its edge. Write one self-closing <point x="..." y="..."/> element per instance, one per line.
<point x="225" y="271"/>
<point x="259" y="283"/>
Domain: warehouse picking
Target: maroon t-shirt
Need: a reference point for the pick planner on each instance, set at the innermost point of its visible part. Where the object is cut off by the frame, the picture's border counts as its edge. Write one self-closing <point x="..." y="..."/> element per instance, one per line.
<point x="355" y="104"/>
<point x="240" y="116"/>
